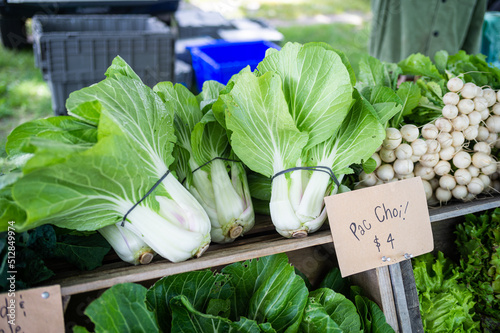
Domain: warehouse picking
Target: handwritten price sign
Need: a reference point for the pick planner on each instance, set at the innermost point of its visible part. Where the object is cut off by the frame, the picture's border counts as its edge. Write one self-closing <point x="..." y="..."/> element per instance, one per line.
<point x="32" y="310"/>
<point x="379" y="225"/>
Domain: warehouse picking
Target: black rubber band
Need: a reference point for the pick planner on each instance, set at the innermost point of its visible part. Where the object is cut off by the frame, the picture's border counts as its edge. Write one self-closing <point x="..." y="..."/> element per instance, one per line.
<point x="145" y="196"/>
<point x="321" y="168"/>
<point x="215" y="158"/>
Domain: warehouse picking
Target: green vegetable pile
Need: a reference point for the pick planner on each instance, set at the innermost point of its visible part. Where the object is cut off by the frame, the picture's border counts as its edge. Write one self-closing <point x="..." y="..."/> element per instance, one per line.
<point x="259" y="295"/>
<point x="478" y="242"/>
<point x="463" y="296"/>
<point x="446" y="305"/>
<point x="446" y="128"/>
<point x="36" y="249"/>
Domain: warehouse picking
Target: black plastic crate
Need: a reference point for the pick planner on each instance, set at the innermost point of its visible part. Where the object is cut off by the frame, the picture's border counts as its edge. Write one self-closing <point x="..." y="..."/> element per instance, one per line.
<point x="60" y="89"/>
<point x="79" y="48"/>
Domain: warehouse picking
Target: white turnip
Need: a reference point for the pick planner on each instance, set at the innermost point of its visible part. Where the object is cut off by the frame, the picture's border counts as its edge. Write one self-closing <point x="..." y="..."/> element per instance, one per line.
<point x="476" y="186"/>
<point x="480" y="103"/>
<point x="466" y="106"/>
<point x="429" y="159"/>
<point x="443" y="195"/>
<point x="490" y="96"/>
<point x="469" y="90"/>
<point x="430" y="131"/>
<point x="387" y="155"/>
<point x="423" y="172"/>
<point x="482" y="133"/>
<point x="482" y="147"/>
<point x="471" y="132"/>
<point x="455" y="84"/>
<point x="385" y="172"/>
<point x="451" y="98"/>
<point x="474" y="118"/>
<point x="442" y="168"/>
<point x="392" y="138"/>
<point x="419" y="147"/>
<point x="404" y="151"/>
<point x="459" y="192"/>
<point x="403" y="166"/>
<point x="462" y="159"/>
<point x="460" y="122"/>
<point x="462" y="176"/>
<point x="449" y="111"/>
<point x="447" y="182"/>
<point x="409" y="132"/>
<point x="447" y="153"/>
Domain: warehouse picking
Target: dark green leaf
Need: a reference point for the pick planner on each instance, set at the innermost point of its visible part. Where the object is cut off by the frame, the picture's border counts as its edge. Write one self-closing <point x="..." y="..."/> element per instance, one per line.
<point x="409" y="94"/>
<point x="185" y="318"/>
<point x="267" y="290"/>
<point x="441" y="61"/>
<point x="335" y="281"/>
<point x="372" y="318"/>
<point x="85" y="252"/>
<point x="122" y="309"/>
<point x="317" y="320"/>
<point x="341" y="310"/>
<point x="197" y="287"/>
<point x="420" y="65"/>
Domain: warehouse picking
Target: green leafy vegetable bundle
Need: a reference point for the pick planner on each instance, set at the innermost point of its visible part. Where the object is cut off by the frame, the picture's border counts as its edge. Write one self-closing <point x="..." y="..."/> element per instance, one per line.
<point x="446" y="130"/>
<point x="446" y="305"/>
<point x="203" y="158"/>
<point x="259" y="295"/>
<point x="478" y="242"/>
<point x="296" y="113"/>
<point x="93" y="170"/>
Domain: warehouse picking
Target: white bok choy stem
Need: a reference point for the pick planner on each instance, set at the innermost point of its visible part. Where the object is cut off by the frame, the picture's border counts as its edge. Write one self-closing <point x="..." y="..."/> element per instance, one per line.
<point x="128" y="246"/>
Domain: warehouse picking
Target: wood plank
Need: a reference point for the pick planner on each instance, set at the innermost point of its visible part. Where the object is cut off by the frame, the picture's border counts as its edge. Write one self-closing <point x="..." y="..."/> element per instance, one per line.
<point x="398" y="291"/>
<point x="411" y="296"/>
<point x="462" y="208"/>
<point x="261" y="246"/>
<point x="387" y="297"/>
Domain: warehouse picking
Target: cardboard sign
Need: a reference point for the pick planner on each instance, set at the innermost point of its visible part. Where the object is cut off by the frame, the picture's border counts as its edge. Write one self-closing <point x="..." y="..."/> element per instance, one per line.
<point x="379" y="225"/>
<point x="32" y="310"/>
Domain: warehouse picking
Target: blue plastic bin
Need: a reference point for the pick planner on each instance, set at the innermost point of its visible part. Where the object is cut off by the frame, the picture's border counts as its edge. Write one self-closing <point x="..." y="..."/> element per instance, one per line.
<point x="221" y="60"/>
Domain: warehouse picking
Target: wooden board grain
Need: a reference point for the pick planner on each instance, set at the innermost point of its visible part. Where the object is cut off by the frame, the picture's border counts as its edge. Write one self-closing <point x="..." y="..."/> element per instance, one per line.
<point x="400" y="303"/>
<point x="411" y="296"/>
<point x="104" y="277"/>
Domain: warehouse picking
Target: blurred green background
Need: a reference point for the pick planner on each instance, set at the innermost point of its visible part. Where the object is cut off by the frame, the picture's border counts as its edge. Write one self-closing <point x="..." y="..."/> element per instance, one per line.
<point x="343" y="24"/>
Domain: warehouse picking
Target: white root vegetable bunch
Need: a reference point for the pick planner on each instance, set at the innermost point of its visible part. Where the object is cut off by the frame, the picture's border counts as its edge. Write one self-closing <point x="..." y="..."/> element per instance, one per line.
<point x="452" y="154"/>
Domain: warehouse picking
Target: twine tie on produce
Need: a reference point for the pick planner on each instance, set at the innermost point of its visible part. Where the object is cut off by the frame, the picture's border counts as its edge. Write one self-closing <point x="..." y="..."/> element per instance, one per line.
<point x="213" y="159"/>
<point x="321" y="168"/>
<point x="145" y="196"/>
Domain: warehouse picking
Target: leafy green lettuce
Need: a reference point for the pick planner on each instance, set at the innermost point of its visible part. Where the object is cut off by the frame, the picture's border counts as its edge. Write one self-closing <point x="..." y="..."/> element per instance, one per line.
<point x="446" y="305"/>
<point x="478" y="242"/>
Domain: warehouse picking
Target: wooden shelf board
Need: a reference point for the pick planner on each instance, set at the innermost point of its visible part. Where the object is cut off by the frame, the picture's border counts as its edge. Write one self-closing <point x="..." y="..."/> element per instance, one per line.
<point x="106" y="276"/>
<point x="463" y="208"/>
